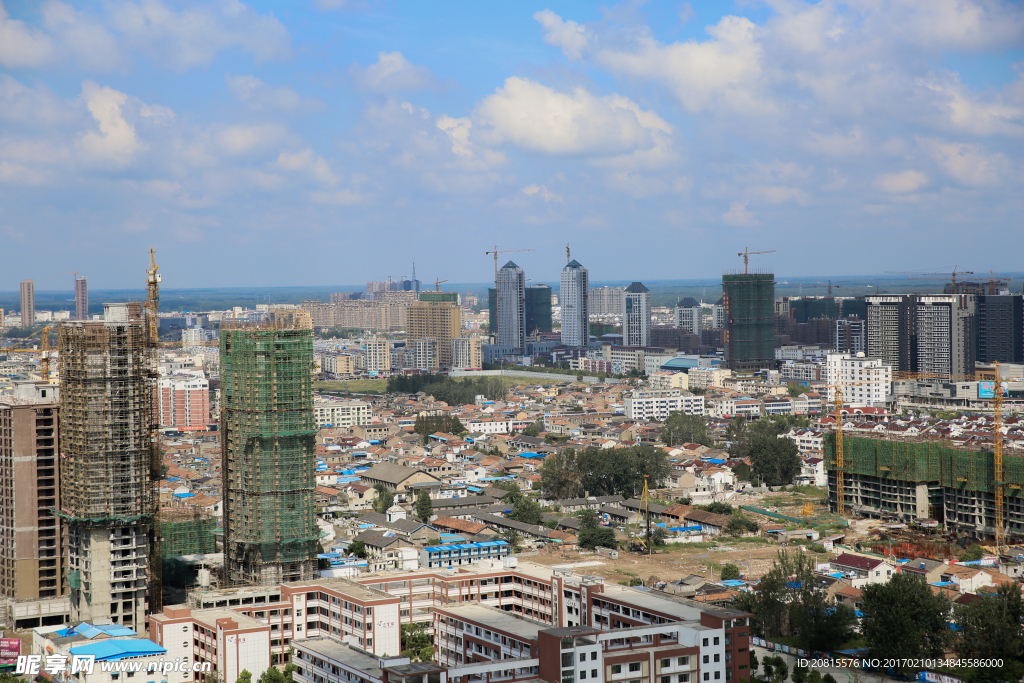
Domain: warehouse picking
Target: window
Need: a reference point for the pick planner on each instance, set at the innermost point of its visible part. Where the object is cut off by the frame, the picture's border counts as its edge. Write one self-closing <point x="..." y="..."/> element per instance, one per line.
<point x="707" y="676"/>
<point x="593" y="655"/>
<point x="583" y="656"/>
<point x="716" y="657"/>
<point x="705" y="642"/>
<point x="665" y="663"/>
<point x="616" y="668"/>
<point x="666" y="679"/>
<point x="583" y="674"/>
<point x="634" y="666"/>
<point x="567" y="659"/>
<point x="716" y="640"/>
<point x="707" y="659"/>
<point x="718" y="674"/>
<point x="593" y="673"/>
<point x="683" y="678"/>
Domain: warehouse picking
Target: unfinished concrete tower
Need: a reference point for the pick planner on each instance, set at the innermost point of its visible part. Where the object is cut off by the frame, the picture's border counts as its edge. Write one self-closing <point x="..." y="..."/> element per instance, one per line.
<point x="268" y="436"/>
<point x="105" y="494"/>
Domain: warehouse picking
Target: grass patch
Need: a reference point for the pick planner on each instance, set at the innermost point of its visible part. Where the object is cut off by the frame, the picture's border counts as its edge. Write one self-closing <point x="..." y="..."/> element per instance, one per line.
<point x="354" y="386"/>
<point x="703" y="545"/>
<point x="753" y="540"/>
<point x="809" y="490"/>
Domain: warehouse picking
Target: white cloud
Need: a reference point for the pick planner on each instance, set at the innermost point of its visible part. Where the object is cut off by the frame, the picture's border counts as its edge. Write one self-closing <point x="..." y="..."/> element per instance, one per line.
<point x="968" y="163"/>
<point x="542" y="192"/>
<point x="569" y="36"/>
<point x="538" y="118"/>
<point x="392" y="72"/>
<point x="307" y="162"/>
<point x="245" y="139"/>
<point x="903" y="182"/>
<point x="259" y="95"/>
<point x="193" y="36"/>
<point x="116" y="141"/>
<point x="738" y="216"/>
<point x="34" y="107"/>
<point x="21" y="46"/>
<point x="83" y="35"/>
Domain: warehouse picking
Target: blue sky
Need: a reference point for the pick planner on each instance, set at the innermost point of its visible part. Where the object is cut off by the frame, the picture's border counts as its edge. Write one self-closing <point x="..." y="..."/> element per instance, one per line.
<point x="323" y="142"/>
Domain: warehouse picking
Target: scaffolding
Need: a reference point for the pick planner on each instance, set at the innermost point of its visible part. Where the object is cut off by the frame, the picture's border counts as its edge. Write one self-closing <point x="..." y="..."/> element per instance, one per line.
<point x="106" y="411"/>
<point x="268" y="436"/>
<point x="749" y="339"/>
<point x="187" y="531"/>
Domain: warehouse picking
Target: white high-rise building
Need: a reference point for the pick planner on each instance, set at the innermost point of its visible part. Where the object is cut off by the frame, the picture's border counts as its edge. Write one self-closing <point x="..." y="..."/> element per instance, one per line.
<point x="575" y="305"/>
<point x="425" y="353"/>
<point x="636" y="315"/>
<point x="863" y="381"/>
<point x="467" y="353"/>
<point x="688" y="315"/>
<point x="718" y="316"/>
<point x="510" y="293"/>
<point x="606" y="300"/>
<point x="376" y="356"/>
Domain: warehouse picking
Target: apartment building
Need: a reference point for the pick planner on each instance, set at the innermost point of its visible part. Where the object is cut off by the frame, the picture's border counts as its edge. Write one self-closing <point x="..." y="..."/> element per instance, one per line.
<point x="851" y="335"/>
<point x="636" y="315"/>
<point x="606" y="300"/>
<point x="467" y="352"/>
<point x="688" y="315"/>
<point x="438" y="316"/>
<point x="32" y="567"/>
<point x="863" y="381"/>
<point x="575" y="305"/>
<point x="338" y="413"/>
<point x="337" y="364"/>
<point x="184" y="399"/>
<point x="424" y="354"/>
<point x="702" y="378"/>
<point x="659" y="404"/>
<point x="664" y="379"/>
<point x="795" y="371"/>
<point x="931" y="334"/>
<point x="28" y="303"/>
<point x="376" y="356"/>
<point x="227" y="639"/>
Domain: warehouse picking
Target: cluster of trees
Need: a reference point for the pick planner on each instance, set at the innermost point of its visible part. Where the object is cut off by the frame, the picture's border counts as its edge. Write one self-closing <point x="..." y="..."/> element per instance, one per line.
<point x="385" y="498"/>
<point x="593" y="534"/>
<point x="417" y="644"/>
<point x="446" y="389"/>
<point x="681" y="428"/>
<point x="903" y="620"/>
<point x="428" y="424"/>
<point x="792" y="602"/>
<point x="604" y="471"/>
<point x="424" y="509"/>
<point x="775" y="461"/>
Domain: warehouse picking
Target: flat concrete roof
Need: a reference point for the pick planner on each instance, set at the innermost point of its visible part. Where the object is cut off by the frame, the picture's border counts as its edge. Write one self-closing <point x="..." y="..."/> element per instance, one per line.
<point x="339" y="652"/>
<point x="498" y="620"/>
<point x="666" y="603"/>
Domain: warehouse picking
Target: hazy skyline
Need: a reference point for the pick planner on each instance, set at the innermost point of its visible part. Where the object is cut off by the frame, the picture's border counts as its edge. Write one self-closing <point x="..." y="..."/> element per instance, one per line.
<point x="336" y="141"/>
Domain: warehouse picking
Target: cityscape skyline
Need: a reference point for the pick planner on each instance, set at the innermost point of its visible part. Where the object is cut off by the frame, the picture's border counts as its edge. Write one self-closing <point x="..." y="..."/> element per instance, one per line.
<point x="191" y="128"/>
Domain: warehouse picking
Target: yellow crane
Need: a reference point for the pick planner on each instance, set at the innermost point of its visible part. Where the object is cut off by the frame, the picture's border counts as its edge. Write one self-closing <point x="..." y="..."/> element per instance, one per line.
<point x="153" y="279"/>
<point x="43" y="351"/>
<point x="931" y="276"/>
<point x="997" y="453"/>
<point x="498" y="250"/>
<point x="437" y="285"/>
<point x="746" y="257"/>
<point x="636" y="539"/>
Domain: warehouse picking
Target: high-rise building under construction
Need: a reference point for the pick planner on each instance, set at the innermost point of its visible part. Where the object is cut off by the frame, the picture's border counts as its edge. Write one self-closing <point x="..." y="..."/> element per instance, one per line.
<point x="268" y="434"/>
<point x="106" y="499"/>
<point x="749" y="303"/>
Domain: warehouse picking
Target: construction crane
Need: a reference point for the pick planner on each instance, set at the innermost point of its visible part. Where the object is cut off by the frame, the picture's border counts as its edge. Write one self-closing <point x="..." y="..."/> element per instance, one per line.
<point x="636" y="539"/>
<point x="837" y="404"/>
<point x="437" y="285"/>
<point x="993" y="280"/>
<point x="746" y="257"/>
<point x="43" y="351"/>
<point x="503" y="251"/>
<point x="153" y="279"/>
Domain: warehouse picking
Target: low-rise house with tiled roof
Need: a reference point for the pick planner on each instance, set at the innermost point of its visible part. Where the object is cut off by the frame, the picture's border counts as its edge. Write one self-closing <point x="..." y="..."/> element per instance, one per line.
<point x="710" y="523"/>
<point x="861" y="571"/>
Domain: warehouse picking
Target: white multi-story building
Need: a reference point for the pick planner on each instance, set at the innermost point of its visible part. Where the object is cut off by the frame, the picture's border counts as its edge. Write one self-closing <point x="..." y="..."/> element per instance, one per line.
<point x="702" y="378"/>
<point x="191" y="336"/>
<point x="467" y="352"/>
<point x="606" y="300"/>
<point x="688" y="315"/>
<point x="864" y="381"/>
<point x="340" y="364"/>
<point x="424" y="352"/>
<point x="664" y="379"/>
<point x="376" y="356"/>
<point x="184" y="399"/>
<point x="718" y="317"/>
<point x="796" y="371"/>
<point x="575" y="308"/>
<point x="341" y="413"/>
<point x="636" y="315"/>
<point x="658" y="405"/>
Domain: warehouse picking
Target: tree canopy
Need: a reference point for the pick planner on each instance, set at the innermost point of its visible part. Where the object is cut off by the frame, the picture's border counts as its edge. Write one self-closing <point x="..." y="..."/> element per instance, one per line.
<point x="604" y="471"/>
<point x="527" y="511"/>
<point x="990" y="628"/>
<point x="776" y="461"/>
<point x="905" y="605"/>
<point x="429" y="424"/>
<point x="593" y="534"/>
<point x="446" y="389"/>
<point x="385" y="498"/>
<point x="424" y="508"/>
<point x="681" y="428"/>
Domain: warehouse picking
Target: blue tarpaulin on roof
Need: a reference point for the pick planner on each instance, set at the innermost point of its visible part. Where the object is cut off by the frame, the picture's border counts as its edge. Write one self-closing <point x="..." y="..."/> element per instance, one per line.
<point x="112" y="650"/>
<point x="530" y="455"/>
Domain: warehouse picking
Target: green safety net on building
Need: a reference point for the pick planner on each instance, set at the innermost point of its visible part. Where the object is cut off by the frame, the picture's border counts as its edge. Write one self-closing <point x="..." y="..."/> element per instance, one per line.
<point x="925" y="461"/>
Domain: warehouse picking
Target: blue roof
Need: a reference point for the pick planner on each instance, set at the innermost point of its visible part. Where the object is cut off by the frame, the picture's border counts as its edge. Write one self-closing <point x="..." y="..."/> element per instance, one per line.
<point x="717" y="461"/>
<point x="680" y="363"/>
<point x="184" y="495"/>
<point x="733" y="582"/>
<point x="530" y="455"/>
<point x="467" y="546"/>
<point x="112" y="650"/>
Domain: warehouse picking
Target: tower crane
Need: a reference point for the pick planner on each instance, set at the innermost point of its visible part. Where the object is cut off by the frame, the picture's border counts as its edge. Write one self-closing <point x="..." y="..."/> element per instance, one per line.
<point x="153" y="279"/>
<point x="997" y="454"/>
<point x="437" y="285"/>
<point x="746" y="257"/>
<point x="43" y="351"/>
<point x="497" y="251"/>
<point x="642" y="539"/>
<point x="931" y="276"/>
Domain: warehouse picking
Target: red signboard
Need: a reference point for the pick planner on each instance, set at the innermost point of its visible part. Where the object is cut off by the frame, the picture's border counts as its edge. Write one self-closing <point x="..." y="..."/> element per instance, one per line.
<point x="10" y="650"/>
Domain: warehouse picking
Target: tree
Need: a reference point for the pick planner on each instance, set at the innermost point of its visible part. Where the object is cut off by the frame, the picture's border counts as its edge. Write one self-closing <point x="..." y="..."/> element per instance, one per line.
<point x="424" y="509"/>
<point x="514" y="540"/>
<point x="658" y="535"/>
<point x="974" y="552"/>
<point x="828" y="678"/>
<point x="593" y="535"/>
<point x="753" y="661"/>
<point x="681" y="428"/>
<point x="799" y="673"/>
<point x="385" y="498"/>
<point x="990" y="628"/>
<point x="905" y="605"/>
<point x="775" y="669"/>
<point x="357" y="548"/>
<point x="244" y="677"/>
<point x="534" y="429"/>
<point x="527" y="511"/>
<point x="814" y="676"/>
<point x="559" y="476"/>
<point x="717" y="508"/>
<point x="271" y="675"/>
<point x="730" y="572"/>
<point x="776" y="461"/>
<point x="416" y="642"/>
<point x="740" y="524"/>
